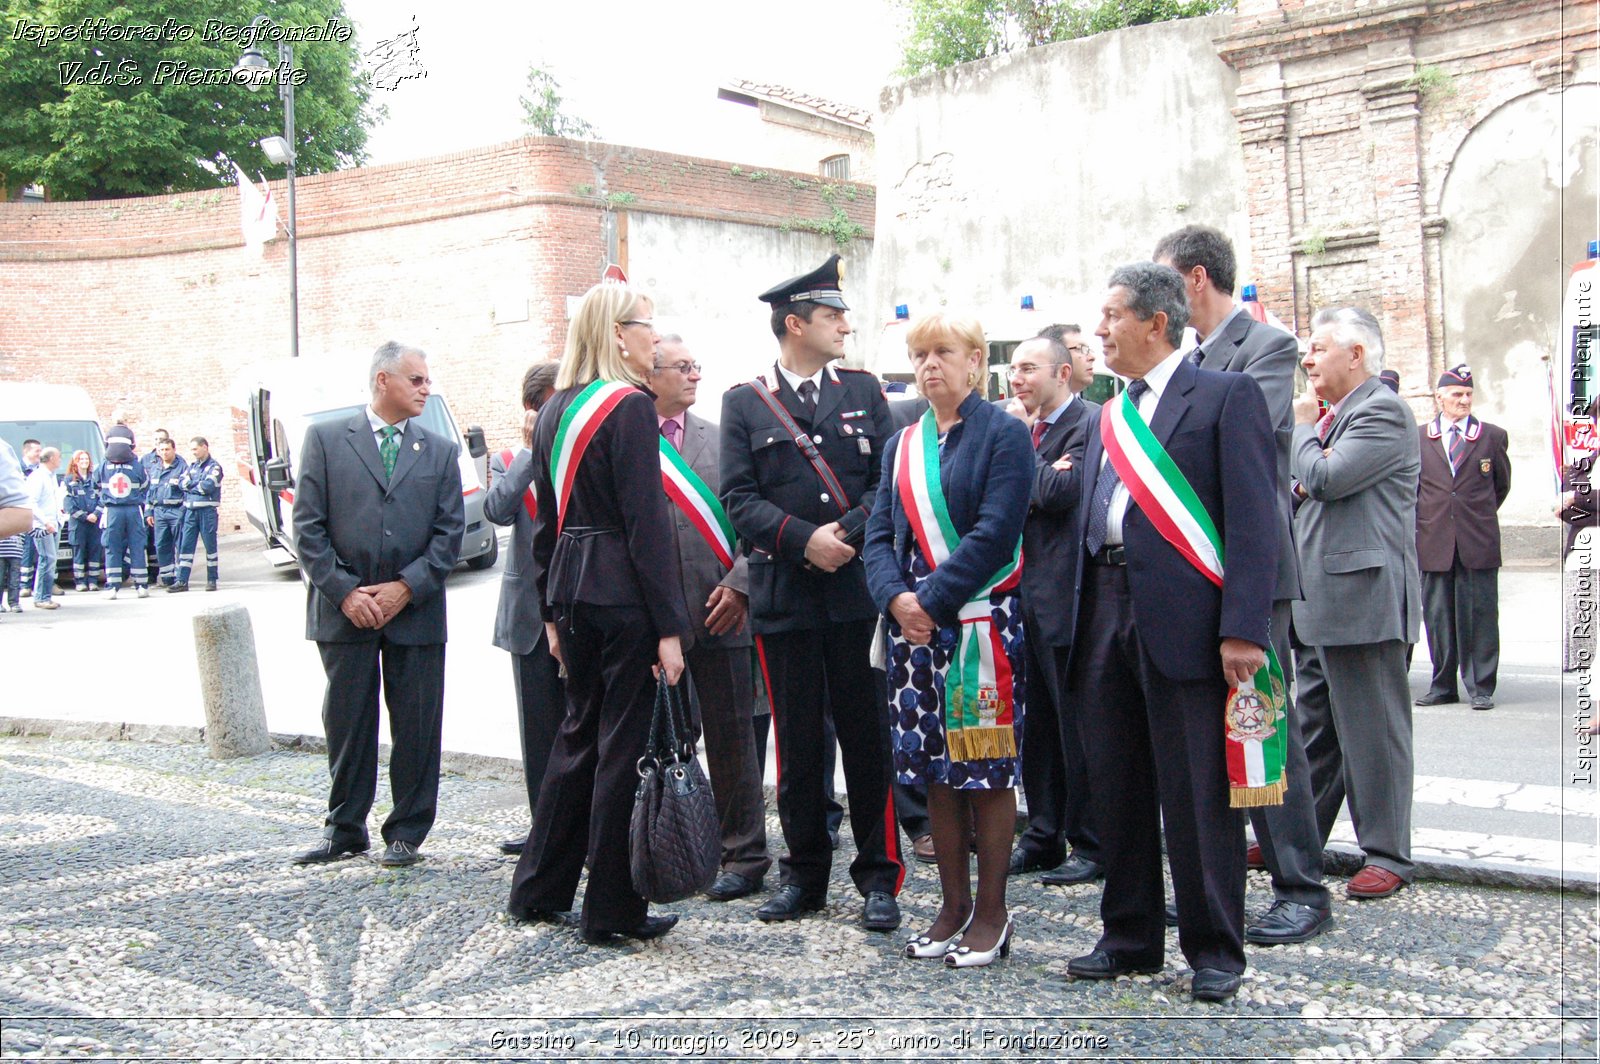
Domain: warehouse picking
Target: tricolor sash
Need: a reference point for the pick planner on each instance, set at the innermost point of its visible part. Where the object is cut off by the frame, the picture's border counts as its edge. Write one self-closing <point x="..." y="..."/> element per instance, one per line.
<point x="578" y="425"/>
<point x="1254" y="715"/>
<point x="530" y="502"/>
<point x="697" y="502"/>
<point x="978" y="695"/>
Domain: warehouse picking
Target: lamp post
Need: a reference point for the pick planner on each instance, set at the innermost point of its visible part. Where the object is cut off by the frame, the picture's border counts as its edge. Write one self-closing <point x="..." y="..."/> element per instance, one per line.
<point x="278" y="149"/>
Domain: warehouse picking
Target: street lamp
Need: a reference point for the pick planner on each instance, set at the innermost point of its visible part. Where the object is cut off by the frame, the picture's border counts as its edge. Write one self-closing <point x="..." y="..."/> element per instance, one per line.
<point x="280" y="150"/>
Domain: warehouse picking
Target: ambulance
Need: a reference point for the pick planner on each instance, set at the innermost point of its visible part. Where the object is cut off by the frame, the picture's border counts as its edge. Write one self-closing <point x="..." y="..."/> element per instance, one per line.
<point x="276" y="402"/>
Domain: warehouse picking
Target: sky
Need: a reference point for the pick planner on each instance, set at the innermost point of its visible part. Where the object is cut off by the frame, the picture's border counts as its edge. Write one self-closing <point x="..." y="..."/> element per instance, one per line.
<point x="644" y="74"/>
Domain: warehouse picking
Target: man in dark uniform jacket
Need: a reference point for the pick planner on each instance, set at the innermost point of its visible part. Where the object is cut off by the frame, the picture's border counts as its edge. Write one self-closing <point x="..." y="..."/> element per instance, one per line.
<point x="1466" y="476"/>
<point x="809" y="607"/>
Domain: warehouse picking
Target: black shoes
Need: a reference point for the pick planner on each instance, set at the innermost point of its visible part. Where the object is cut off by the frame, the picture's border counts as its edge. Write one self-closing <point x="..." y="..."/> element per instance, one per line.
<point x="177" y="589"/>
<point x="399" y="854"/>
<point x="1287" y="922"/>
<point x="326" y="851"/>
<point x="881" y="912"/>
<point x="1073" y="870"/>
<point x="1214" y="984"/>
<point x="513" y="847"/>
<point x="1482" y="702"/>
<point x="648" y="928"/>
<point x="1022" y="862"/>
<point x="211" y="585"/>
<point x="1433" y="698"/>
<point x="1099" y="964"/>
<point x="730" y="885"/>
<point x="790" y="902"/>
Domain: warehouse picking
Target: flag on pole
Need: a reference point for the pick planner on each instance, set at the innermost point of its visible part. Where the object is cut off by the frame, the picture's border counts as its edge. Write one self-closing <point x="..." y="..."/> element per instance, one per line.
<point x="258" y="214"/>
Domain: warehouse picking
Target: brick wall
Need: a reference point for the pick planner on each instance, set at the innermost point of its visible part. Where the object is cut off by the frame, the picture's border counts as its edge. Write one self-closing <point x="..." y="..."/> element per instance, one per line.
<point x="153" y="306"/>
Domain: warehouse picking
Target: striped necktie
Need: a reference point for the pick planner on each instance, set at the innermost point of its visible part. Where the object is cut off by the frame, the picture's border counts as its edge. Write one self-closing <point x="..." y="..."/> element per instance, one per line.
<point x="1455" y="448"/>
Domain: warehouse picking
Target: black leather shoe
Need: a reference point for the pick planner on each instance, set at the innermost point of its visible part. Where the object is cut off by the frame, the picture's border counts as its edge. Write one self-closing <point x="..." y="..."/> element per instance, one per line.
<point x="833" y="839"/>
<point x="1022" y="862"/>
<point x="1434" y="699"/>
<point x="1099" y="964"/>
<point x="790" y="902"/>
<point x="730" y="885"/>
<point x="881" y="912"/>
<point x="648" y="928"/>
<point x="400" y="854"/>
<point x="513" y="847"/>
<point x="326" y="851"/>
<point x="1286" y="922"/>
<point x="1482" y="702"/>
<point x="1074" y="869"/>
<point x="538" y="916"/>
<point x="1213" y="984"/>
<point x="1172" y="914"/>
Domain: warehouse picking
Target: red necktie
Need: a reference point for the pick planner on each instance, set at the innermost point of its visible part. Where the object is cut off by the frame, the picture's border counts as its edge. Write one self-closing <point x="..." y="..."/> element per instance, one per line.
<point x="1039" y="428"/>
<point x="1324" y="426"/>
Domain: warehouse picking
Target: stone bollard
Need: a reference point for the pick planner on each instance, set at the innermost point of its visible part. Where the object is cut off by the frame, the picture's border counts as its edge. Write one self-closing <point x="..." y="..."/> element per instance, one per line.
<point x="230" y="682"/>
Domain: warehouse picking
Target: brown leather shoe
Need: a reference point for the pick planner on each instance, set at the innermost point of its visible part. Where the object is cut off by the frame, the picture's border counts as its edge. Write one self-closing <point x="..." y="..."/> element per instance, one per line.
<point x="922" y="849"/>
<point x="1373" y="882"/>
<point x="1253" y="859"/>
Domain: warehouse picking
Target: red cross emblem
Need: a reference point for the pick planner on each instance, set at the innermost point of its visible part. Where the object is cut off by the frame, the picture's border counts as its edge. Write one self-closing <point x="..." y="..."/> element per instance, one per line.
<point x="121" y="487"/>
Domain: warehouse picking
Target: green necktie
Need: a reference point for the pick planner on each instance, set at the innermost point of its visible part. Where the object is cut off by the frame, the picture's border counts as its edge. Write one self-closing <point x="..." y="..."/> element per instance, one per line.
<point x="389" y="449"/>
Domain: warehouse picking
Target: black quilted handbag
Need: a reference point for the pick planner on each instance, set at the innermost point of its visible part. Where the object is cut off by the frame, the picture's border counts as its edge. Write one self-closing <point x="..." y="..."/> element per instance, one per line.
<point x="674" y="840"/>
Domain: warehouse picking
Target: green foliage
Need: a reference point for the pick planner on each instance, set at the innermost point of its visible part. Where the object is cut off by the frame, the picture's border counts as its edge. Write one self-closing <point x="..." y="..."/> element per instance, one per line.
<point x="584" y="189"/>
<point x="542" y="112"/>
<point x="945" y="33"/>
<point x="146" y="131"/>
<point x="837" y="227"/>
<point x="1432" y="82"/>
<point x="1314" y="245"/>
<point x="620" y="199"/>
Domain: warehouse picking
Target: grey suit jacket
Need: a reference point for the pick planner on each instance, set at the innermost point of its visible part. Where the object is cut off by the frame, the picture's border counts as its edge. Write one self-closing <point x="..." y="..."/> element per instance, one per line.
<point x="354" y="526"/>
<point x="518" y="627"/>
<point x="702" y="452"/>
<point x="1269" y="355"/>
<point x="1357" y="529"/>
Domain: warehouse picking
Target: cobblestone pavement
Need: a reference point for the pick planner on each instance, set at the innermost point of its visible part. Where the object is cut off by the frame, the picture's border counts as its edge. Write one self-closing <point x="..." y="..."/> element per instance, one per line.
<point x="148" y="909"/>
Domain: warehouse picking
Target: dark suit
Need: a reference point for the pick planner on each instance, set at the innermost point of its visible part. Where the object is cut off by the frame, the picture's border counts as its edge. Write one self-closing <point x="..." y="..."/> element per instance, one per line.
<point x="518" y="630"/>
<point x="814" y="629"/>
<point x="1145" y="676"/>
<point x="1290" y="844"/>
<point x="1054" y="774"/>
<point x="719" y="668"/>
<point x="354" y="526"/>
<point x="1458" y="551"/>
<point x="609" y="581"/>
<point x="1356" y="533"/>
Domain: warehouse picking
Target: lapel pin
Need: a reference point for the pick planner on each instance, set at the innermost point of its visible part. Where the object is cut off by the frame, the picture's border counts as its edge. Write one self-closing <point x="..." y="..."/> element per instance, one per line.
<point x="415" y="446"/>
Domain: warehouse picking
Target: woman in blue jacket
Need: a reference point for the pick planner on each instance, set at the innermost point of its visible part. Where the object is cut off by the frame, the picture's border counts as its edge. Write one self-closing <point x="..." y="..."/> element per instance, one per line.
<point x="83" y="523"/>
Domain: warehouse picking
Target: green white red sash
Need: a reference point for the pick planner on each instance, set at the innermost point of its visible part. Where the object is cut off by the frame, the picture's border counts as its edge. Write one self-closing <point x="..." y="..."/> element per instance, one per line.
<point x="1254" y="715"/>
<point x="697" y="502"/>
<point x="578" y="425"/>
<point x="979" y="698"/>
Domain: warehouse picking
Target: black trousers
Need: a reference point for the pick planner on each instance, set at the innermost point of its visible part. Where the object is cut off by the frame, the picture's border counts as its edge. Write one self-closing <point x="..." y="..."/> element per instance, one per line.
<point x="587" y="797"/>
<point x="412" y="680"/>
<point x="1055" y="773"/>
<point x="1462" y="611"/>
<point x="541" y="705"/>
<point x="806" y="672"/>
<point x="724" y="691"/>
<point x="1156" y="758"/>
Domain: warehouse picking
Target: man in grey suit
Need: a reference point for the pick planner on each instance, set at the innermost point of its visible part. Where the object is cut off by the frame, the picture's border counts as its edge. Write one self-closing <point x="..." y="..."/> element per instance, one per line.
<point x="1231" y="341"/>
<point x="518" y="625"/>
<point x="718" y="654"/>
<point x="378" y="521"/>
<point x="1356" y="467"/>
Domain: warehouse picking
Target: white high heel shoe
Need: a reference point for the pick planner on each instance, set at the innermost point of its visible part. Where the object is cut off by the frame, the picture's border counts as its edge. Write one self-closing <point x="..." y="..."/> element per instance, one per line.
<point x="966" y="957"/>
<point x="924" y="948"/>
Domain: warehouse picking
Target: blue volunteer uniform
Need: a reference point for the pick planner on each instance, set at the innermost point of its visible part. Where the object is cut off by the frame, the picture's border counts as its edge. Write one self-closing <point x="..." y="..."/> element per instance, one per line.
<point x="30" y="555"/>
<point x="164" y="500"/>
<point x="122" y="480"/>
<point x="202" y="494"/>
<point x="82" y="502"/>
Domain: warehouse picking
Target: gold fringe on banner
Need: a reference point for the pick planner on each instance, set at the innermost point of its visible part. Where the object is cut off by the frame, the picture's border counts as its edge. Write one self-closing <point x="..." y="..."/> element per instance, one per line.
<point x="975" y="744"/>
<point x="1251" y="797"/>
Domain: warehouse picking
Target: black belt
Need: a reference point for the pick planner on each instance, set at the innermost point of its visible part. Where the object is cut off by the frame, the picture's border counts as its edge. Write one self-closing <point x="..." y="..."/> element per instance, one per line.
<point x="170" y="505"/>
<point x="1116" y="555"/>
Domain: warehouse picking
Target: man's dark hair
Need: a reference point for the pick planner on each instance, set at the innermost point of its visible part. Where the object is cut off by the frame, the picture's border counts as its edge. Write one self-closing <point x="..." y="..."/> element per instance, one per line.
<point x="34" y="442"/>
<point x="1153" y="288"/>
<point x="1059" y="355"/>
<point x="780" y="315"/>
<point x="1201" y="245"/>
<point x="538" y="383"/>
<point x="163" y="434"/>
<point x="1060" y="333"/>
<point x="201" y="440"/>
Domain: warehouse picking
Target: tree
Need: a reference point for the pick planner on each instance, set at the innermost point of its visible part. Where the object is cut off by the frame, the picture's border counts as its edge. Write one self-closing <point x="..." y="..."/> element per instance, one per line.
<point x="542" y="112"/>
<point x="98" y="102"/>
<point x="945" y="33"/>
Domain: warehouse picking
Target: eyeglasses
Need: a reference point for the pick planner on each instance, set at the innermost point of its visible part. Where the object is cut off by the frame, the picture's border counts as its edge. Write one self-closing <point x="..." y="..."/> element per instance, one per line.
<point x="638" y="321"/>
<point x="688" y="369"/>
<point x="1079" y="349"/>
<point x="417" y="380"/>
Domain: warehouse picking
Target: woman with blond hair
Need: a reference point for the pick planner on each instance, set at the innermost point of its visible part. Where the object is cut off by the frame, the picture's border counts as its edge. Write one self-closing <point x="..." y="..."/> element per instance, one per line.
<point x="613" y="611"/>
<point x="82" y="503"/>
<point x="942" y="554"/>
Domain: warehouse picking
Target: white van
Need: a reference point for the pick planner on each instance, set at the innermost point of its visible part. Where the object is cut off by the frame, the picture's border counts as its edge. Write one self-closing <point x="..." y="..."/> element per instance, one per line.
<point x="57" y="415"/>
<point x="274" y="404"/>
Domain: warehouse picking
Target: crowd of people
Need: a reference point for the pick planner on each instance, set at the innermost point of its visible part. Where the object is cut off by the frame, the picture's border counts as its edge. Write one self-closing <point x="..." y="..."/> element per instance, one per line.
<point x="1190" y="607"/>
<point x="118" y="515"/>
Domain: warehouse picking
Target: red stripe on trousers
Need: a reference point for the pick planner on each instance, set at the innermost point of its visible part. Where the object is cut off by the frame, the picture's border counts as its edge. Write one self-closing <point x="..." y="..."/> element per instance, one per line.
<point x="772" y="703"/>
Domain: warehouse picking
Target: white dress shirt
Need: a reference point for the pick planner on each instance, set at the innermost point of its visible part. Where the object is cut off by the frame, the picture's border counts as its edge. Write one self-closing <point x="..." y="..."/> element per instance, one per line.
<point x="1157" y="379"/>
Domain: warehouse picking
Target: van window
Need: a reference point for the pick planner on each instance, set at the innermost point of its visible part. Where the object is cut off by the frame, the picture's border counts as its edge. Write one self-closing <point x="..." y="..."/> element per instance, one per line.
<point x="66" y="436"/>
<point x="435" y="417"/>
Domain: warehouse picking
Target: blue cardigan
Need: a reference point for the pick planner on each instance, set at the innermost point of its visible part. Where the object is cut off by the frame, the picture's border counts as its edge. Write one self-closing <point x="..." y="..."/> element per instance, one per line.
<point x="986" y="473"/>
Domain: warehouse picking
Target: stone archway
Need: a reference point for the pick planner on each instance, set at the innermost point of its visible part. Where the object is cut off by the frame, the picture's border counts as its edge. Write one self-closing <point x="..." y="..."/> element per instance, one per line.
<point x="1519" y="203"/>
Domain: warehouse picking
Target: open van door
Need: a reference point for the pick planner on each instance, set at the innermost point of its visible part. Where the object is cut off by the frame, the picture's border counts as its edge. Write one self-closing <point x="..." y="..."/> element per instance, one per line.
<point x="271" y="481"/>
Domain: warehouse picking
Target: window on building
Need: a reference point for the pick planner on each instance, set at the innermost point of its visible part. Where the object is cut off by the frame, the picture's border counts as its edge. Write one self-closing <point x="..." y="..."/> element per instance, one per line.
<point x="836" y="167"/>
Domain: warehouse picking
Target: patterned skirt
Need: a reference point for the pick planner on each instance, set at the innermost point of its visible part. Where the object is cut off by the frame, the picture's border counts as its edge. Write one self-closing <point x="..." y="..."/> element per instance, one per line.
<point x="917" y="705"/>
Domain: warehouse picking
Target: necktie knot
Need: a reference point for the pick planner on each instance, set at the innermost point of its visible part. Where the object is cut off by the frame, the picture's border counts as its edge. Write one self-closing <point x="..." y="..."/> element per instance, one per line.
<point x="673" y="432"/>
<point x="1136" y="389"/>
<point x="1197" y="356"/>
<point x="808" y="392"/>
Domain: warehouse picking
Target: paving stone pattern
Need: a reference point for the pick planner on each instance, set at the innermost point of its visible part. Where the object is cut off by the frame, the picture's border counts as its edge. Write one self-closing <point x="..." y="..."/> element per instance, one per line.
<point x="148" y="909"/>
